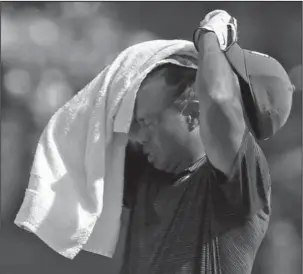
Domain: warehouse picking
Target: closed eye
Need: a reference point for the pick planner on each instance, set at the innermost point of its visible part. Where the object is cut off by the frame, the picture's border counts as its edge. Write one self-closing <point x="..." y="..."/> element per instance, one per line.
<point x="148" y="123"/>
<point x="143" y="122"/>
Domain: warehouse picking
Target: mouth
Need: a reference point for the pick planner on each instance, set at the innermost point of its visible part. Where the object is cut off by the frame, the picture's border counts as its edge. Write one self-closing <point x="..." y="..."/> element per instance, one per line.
<point x="150" y="158"/>
<point x="149" y="155"/>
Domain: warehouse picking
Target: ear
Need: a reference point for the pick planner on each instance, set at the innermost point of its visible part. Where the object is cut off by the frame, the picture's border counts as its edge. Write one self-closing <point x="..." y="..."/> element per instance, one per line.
<point x="193" y="123"/>
<point x="192" y="108"/>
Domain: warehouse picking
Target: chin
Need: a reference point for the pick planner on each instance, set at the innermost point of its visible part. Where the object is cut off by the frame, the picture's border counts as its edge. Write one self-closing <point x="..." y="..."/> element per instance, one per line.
<point x="168" y="168"/>
<point x="159" y="166"/>
<point x="165" y="166"/>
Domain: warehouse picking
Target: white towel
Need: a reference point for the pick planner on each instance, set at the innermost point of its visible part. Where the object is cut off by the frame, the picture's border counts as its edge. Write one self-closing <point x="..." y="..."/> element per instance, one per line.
<point x="75" y="192"/>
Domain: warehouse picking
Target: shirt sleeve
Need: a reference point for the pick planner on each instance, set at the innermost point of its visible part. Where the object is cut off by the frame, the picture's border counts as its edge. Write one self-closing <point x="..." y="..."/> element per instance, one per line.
<point x="246" y="190"/>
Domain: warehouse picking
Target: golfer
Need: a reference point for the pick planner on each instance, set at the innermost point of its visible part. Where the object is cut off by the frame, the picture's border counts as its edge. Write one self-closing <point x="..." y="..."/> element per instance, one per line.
<point x="199" y="189"/>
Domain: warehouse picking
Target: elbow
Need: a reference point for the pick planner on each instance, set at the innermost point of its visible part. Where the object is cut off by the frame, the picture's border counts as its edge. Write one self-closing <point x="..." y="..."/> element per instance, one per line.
<point x="216" y="93"/>
<point x="219" y="90"/>
<point x="221" y="96"/>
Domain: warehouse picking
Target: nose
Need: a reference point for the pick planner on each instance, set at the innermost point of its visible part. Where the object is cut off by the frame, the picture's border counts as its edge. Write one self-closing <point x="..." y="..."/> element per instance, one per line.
<point x="143" y="136"/>
<point x="139" y="134"/>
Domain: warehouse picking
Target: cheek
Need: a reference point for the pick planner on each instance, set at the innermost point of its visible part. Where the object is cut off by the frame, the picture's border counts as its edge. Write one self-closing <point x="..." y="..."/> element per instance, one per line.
<point x="138" y="134"/>
<point x="171" y="135"/>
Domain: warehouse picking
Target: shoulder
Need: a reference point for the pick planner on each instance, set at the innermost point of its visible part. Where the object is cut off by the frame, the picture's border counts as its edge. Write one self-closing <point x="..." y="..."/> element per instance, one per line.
<point x="246" y="189"/>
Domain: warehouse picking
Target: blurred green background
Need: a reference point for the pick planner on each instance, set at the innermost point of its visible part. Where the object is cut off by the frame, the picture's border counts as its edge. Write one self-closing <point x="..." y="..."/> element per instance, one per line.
<point x="51" y="50"/>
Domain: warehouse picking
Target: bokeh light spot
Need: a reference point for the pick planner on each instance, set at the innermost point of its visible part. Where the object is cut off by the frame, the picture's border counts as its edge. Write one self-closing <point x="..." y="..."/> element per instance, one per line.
<point x="43" y="32"/>
<point x="17" y="82"/>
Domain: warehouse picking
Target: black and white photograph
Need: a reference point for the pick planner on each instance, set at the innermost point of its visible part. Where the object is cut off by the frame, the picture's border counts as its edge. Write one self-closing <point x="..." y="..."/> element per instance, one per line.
<point x="151" y="137"/>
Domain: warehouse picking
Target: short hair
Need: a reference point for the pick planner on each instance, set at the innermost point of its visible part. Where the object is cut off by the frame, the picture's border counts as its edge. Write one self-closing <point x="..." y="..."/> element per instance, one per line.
<point x="188" y="103"/>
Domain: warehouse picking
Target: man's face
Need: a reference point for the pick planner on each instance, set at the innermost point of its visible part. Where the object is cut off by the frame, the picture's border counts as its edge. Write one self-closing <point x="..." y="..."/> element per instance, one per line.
<point x="159" y="127"/>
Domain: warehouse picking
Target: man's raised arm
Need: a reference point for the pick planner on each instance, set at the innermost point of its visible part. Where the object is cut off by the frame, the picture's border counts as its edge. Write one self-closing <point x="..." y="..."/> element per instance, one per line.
<point x="222" y="124"/>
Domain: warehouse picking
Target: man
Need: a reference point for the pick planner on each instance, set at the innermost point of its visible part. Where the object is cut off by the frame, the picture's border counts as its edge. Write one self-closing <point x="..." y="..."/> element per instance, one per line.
<point x="200" y="195"/>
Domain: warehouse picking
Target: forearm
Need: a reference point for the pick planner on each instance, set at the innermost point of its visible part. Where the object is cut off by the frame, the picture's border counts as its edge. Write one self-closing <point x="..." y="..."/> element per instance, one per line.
<point x="221" y="117"/>
<point x="215" y="76"/>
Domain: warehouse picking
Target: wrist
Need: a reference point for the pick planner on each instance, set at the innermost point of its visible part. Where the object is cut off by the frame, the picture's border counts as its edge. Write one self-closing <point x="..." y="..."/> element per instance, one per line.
<point x="200" y="34"/>
<point x="207" y="41"/>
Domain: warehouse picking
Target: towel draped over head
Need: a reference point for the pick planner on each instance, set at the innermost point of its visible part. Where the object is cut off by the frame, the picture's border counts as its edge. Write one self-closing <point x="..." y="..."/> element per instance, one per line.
<point x="75" y="192"/>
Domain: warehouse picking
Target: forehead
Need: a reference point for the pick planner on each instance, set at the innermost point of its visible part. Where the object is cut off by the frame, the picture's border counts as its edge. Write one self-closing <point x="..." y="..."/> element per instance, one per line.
<point x="154" y="96"/>
<point x="149" y="103"/>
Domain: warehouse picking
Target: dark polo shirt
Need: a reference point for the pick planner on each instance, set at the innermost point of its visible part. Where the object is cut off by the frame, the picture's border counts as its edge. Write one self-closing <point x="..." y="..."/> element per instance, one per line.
<point x="201" y="222"/>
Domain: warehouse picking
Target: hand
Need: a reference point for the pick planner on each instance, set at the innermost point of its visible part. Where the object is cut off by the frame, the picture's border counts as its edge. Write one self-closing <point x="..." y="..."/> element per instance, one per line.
<point x="223" y="25"/>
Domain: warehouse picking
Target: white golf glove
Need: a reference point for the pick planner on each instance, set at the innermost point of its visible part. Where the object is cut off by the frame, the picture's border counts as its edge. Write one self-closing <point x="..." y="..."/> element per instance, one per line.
<point x="222" y="24"/>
